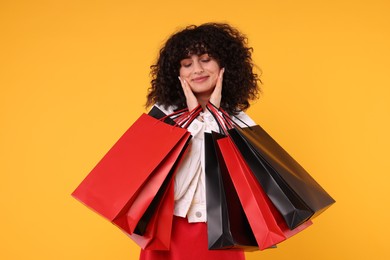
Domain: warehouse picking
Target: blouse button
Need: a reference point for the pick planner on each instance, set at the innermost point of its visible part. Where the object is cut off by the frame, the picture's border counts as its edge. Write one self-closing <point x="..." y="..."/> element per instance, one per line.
<point x="198" y="214"/>
<point x="195" y="127"/>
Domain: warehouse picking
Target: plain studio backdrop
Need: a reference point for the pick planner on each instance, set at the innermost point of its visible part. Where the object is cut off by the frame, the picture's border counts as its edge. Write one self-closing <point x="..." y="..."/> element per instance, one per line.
<point x="74" y="76"/>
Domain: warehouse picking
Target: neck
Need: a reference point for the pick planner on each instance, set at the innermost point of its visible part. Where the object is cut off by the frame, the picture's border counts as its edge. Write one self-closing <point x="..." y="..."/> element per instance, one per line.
<point x="203" y="100"/>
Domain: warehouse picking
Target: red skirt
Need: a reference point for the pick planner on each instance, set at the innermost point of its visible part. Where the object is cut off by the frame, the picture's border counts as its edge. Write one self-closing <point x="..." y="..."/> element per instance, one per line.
<point x="189" y="242"/>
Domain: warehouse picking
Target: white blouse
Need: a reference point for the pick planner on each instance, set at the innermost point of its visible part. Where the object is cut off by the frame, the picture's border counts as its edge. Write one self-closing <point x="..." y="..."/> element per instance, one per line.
<point x="190" y="186"/>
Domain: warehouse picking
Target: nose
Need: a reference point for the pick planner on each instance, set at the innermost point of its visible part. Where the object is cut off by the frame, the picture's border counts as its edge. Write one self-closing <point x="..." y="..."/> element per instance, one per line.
<point x="198" y="68"/>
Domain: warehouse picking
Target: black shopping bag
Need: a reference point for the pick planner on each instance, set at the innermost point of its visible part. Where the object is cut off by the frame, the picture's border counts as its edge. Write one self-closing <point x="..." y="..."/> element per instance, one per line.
<point x="227" y="225"/>
<point x="295" y="193"/>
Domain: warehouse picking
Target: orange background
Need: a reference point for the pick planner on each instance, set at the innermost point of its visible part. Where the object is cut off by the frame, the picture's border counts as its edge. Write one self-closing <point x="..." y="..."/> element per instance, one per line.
<point x="74" y="75"/>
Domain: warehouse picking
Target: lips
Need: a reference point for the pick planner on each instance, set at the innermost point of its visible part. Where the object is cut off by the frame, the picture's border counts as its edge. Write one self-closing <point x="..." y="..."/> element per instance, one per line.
<point x="200" y="79"/>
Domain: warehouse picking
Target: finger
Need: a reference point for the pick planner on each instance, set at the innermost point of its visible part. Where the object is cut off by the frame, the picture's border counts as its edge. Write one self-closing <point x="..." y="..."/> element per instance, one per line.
<point x="181" y="83"/>
<point x="216" y="96"/>
<point x="191" y="100"/>
<point x="218" y="86"/>
<point x="220" y="76"/>
<point x="187" y="90"/>
<point x="184" y="87"/>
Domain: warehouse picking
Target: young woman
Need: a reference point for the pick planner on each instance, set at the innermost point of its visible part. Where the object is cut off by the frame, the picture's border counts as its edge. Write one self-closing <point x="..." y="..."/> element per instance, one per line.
<point x="200" y="64"/>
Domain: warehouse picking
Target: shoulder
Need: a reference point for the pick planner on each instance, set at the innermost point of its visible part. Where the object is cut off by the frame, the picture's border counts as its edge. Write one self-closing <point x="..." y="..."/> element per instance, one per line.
<point x="242" y="119"/>
<point x="166" y="110"/>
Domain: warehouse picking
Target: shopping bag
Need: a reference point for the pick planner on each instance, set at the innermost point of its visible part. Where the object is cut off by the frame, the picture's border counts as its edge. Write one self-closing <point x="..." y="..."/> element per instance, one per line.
<point x="288" y="174"/>
<point x="282" y="224"/>
<point x="227" y="225"/>
<point x="287" y="232"/>
<point x="157" y="234"/>
<point x="293" y="209"/>
<point x="252" y="198"/>
<point x="139" y="212"/>
<point x="154" y="183"/>
<point x="153" y="230"/>
<point x="113" y="186"/>
<point x="292" y="190"/>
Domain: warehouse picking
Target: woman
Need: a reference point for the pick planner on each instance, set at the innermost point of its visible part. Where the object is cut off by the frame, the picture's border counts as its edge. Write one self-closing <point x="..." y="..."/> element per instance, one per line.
<point x="197" y="65"/>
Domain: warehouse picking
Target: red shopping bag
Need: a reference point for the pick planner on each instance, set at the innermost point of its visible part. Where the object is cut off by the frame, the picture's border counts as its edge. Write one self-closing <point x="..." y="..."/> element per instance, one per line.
<point x="260" y="217"/>
<point x="157" y="235"/>
<point x="278" y="216"/>
<point x="136" y="216"/>
<point x="146" y="153"/>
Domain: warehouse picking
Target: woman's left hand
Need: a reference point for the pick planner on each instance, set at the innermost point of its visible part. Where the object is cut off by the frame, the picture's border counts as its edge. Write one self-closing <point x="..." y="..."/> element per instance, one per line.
<point x="216" y="96"/>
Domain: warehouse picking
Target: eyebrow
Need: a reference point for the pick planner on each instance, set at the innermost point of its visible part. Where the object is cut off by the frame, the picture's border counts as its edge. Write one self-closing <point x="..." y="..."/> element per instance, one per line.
<point x="201" y="54"/>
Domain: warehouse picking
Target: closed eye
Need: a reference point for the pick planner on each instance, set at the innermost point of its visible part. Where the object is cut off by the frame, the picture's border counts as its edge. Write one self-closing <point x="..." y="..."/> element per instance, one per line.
<point x="186" y="65"/>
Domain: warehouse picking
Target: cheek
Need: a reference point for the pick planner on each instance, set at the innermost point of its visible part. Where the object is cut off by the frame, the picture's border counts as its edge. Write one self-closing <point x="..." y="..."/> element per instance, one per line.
<point x="214" y="80"/>
<point x="215" y="75"/>
<point x="183" y="73"/>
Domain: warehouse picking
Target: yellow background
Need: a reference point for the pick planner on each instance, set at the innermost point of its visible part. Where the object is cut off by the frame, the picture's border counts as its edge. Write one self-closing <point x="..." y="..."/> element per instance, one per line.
<point x="74" y="74"/>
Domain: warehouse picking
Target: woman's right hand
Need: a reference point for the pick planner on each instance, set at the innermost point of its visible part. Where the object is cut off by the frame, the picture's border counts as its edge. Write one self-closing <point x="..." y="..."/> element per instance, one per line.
<point x="192" y="102"/>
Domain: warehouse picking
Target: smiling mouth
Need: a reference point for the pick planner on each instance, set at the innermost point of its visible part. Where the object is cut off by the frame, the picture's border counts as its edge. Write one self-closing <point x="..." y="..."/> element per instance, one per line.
<point x="200" y="79"/>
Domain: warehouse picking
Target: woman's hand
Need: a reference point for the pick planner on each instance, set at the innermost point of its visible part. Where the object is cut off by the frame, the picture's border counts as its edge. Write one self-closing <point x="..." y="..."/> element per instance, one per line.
<point x="192" y="102"/>
<point x="216" y="96"/>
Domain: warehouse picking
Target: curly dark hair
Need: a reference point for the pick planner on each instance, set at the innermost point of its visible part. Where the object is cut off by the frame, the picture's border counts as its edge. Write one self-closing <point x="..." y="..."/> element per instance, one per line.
<point x="223" y="43"/>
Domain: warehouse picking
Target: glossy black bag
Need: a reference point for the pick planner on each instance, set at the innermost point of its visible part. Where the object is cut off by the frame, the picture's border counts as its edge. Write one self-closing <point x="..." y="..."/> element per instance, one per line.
<point x="296" y="195"/>
<point x="227" y="224"/>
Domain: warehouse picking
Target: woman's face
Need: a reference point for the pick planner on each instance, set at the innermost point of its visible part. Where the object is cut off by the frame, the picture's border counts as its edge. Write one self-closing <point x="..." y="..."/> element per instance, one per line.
<point x="201" y="73"/>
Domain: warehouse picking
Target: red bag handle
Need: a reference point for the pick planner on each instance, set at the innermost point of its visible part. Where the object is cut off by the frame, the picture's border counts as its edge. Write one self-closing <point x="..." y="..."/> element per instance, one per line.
<point x="175" y="114"/>
<point x="187" y="119"/>
<point x="183" y="118"/>
<point x="226" y="117"/>
<point x="222" y="122"/>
